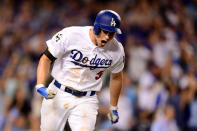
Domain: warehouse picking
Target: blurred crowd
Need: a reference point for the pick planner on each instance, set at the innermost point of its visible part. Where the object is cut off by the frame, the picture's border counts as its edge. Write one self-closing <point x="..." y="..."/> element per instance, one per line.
<point x="160" y="41"/>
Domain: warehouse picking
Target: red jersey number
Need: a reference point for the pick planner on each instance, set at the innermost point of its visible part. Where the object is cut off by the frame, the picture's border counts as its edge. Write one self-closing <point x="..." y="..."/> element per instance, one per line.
<point x="99" y="74"/>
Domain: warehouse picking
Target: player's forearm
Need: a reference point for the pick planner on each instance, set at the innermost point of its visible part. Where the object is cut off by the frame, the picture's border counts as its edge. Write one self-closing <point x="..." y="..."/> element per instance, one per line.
<point x="115" y="88"/>
<point x="43" y="69"/>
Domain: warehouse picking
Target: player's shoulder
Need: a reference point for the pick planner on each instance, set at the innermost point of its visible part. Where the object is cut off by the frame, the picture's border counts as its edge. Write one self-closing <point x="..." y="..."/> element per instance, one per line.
<point x="115" y="44"/>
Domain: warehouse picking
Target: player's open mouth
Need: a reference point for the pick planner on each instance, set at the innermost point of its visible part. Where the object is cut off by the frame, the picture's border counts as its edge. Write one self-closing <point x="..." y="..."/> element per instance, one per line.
<point x="103" y="41"/>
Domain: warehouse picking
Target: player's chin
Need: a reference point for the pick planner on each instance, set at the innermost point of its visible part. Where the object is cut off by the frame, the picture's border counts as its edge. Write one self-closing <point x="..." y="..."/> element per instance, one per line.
<point x="102" y="45"/>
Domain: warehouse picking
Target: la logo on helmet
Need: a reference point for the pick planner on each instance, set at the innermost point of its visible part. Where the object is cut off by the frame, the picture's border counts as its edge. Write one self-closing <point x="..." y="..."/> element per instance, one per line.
<point x="113" y="23"/>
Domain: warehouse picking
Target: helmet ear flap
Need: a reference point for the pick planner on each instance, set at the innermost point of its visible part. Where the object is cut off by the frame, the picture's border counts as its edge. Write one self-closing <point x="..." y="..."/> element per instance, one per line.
<point x="96" y="29"/>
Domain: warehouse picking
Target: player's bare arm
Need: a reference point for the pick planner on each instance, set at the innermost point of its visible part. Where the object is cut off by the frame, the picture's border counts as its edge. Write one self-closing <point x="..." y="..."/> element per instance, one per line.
<point x="115" y="87"/>
<point x="43" y="69"/>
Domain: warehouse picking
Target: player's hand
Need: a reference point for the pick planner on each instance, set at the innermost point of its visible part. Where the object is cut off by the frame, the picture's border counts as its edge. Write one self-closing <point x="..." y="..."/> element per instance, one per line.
<point x="47" y="93"/>
<point x="113" y="114"/>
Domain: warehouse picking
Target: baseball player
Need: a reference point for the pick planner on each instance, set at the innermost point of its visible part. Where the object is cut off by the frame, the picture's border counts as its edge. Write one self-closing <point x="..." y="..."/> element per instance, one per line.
<point x="81" y="55"/>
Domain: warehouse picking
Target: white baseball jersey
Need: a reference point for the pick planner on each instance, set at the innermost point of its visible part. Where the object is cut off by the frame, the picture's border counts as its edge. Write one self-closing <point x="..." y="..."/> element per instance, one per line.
<point x="80" y="64"/>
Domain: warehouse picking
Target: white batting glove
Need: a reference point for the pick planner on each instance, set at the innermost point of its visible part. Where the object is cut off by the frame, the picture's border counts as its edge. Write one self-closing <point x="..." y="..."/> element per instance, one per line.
<point x="47" y="93"/>
<point x="113" y="114"/>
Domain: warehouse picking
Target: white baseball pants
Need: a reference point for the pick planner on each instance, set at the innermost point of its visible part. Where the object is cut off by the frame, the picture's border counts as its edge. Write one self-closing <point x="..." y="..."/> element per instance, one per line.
<point x="80" y="112"/>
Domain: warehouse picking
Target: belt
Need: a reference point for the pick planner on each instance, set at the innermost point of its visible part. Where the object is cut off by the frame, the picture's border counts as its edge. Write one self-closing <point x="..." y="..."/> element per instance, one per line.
<point x="74" y="92"/>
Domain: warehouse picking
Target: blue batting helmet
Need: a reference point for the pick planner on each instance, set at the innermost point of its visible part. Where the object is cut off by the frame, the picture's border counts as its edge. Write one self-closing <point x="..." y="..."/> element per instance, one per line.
<point x="107" y="20"/>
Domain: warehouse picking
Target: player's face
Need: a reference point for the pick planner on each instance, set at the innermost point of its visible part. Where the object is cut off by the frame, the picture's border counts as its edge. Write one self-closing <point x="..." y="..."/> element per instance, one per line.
<point x="104" y="37"/>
